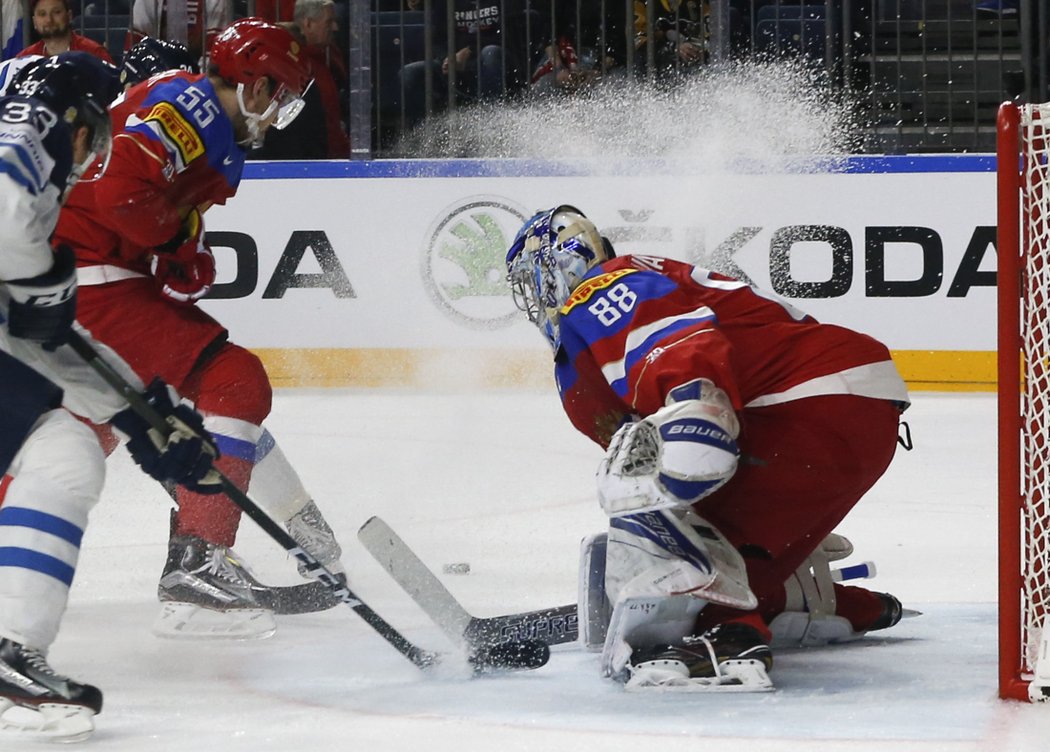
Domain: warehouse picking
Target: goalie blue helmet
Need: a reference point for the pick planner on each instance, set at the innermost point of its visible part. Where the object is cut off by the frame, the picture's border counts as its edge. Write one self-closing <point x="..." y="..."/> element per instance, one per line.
<point x="549" y="258"/>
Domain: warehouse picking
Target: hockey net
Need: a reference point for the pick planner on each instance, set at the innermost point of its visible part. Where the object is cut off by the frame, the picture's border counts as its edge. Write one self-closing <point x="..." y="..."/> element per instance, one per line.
<point x="1024" y="400"/>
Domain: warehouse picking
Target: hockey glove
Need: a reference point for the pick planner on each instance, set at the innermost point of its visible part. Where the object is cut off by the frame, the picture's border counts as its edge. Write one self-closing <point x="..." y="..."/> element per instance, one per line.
<point x="184" y="267"/>
<point x="184" y="455"/>
<point x="43" y="308"/>
<point x="683" y="452"/>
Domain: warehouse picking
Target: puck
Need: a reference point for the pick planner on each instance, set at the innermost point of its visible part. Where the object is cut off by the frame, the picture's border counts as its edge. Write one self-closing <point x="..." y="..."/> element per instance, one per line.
<point x="459" y="567"/>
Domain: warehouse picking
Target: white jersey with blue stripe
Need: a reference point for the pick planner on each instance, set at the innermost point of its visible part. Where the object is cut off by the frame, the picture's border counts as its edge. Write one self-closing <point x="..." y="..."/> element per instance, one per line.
<point x="35" y="159"/>
<point x="29" y="196"/>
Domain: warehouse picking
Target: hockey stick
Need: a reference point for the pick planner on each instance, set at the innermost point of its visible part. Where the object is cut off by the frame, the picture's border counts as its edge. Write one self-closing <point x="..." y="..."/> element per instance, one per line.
<point x="530" y="658"/>
<point x="553" y="626"/>
<point x="302" y="598"/>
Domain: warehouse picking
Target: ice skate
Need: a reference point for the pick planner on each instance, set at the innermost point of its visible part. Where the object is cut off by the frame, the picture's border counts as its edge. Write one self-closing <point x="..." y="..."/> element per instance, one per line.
<point x="207" y="592"/>
<point x="37" y="703"/>
<point x="730" y="657"/>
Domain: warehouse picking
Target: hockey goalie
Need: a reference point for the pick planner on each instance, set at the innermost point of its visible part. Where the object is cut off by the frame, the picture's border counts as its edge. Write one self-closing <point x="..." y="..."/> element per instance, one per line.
<point x="738" y="431"/>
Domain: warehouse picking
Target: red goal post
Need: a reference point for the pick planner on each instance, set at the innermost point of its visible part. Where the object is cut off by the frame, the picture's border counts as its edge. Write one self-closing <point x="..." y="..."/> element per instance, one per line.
<point x="1023" y="244"/>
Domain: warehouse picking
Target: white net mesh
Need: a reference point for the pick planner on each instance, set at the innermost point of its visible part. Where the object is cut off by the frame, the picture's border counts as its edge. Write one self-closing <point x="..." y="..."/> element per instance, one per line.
<point x="1035" y="406"/>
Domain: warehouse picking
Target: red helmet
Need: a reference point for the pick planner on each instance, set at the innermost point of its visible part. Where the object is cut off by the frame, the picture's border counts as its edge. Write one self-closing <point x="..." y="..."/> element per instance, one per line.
<point x="251" y="48"/>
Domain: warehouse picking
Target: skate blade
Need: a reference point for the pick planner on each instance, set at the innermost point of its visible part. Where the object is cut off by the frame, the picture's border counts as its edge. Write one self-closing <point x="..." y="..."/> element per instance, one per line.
<point x="52" y="722"/>
<point x="736" y="676"/>
<point x="181" y="621"/>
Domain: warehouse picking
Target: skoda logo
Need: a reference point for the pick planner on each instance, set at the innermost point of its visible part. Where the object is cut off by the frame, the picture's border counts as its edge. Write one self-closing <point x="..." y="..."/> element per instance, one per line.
<point x="463" y="255"/>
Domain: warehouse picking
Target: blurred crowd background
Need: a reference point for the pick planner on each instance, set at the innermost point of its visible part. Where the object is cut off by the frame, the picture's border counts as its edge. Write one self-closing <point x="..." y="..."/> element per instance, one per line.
<point x="917" y="75"/>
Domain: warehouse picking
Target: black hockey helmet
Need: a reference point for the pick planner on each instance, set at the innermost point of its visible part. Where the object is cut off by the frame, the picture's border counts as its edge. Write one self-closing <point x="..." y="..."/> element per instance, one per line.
<point x="78" y="87"/>
<point x="150" y="56"/>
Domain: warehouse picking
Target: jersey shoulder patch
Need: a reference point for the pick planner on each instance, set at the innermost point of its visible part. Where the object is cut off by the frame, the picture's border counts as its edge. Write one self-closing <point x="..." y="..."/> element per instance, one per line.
<point x="178" y="130"/>
<point x="589" y="287"/>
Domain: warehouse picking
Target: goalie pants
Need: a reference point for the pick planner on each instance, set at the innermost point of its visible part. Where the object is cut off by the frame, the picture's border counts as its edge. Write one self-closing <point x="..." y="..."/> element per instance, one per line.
<point x="805" y="464"/>
<point x="187" y="348"/>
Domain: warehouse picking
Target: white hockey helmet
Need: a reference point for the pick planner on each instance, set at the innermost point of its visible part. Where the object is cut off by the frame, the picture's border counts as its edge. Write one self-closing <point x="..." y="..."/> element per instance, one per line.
<point x="550" y="256"/>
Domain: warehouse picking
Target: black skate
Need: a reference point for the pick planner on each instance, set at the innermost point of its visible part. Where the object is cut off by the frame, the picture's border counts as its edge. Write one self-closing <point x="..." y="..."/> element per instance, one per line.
<point x="729" y="657"/>
<point x="207" y="592"/>
<point x="892" y="613"/>
<point x="37" y="703"/>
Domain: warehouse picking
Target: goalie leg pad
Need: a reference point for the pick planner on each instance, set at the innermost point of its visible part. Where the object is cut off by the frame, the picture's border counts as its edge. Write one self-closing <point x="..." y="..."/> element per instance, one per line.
<point x="593" y="607"/>
<point x="643" y="621"/>
<point x="810" y="616"/>
<point x="662" y="568"/>
<point x="674" y="552"/>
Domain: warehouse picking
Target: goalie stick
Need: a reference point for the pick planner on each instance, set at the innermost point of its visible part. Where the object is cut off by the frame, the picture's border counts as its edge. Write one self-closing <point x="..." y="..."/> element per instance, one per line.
<point x="553" y="626"/>
<point x="521" y="655"/>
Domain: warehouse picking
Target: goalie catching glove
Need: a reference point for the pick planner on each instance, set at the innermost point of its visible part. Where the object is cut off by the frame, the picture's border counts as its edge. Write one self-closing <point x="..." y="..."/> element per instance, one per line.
<point x="184" y="267"/>
<point x="683" y="452"/>
<point x="184" y="454"/>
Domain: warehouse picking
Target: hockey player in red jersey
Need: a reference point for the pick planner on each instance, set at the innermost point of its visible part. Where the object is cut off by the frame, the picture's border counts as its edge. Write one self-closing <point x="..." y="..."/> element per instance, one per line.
<point x="180" y="142"/>
<point x="738" y="432"/>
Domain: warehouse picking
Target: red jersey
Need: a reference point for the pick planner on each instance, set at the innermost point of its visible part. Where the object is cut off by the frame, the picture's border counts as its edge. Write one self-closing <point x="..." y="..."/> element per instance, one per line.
<point x="173" y="149"/>
<point x="639" y="326"/>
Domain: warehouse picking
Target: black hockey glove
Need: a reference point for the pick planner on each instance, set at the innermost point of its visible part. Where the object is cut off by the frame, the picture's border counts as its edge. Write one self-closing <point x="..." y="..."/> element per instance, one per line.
<point x="43" y="308"/>
<point x="185" y="455"/>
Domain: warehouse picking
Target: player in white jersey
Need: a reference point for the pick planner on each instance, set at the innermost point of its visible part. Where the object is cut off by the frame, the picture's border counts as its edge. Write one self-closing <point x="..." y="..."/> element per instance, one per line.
<point x="54" y="123"/>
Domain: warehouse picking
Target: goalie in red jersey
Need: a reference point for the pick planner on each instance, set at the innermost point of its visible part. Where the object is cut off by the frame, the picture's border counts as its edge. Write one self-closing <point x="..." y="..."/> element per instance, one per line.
<point x="180" y="142"/>
<point x="738" y="432"/>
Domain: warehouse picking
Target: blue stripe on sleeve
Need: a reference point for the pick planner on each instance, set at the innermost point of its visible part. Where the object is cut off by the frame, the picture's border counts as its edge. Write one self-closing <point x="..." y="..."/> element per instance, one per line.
<point x="239" y="448"/>
<point x="35" y="561"/>
<point x="640" y="351"/>
<point x="18" y="176"/>
<point x="42" y="521"/>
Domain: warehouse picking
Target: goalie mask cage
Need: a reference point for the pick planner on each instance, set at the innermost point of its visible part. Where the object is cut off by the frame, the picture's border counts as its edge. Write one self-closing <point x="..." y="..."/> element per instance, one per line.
<point x="1023" y="245"/>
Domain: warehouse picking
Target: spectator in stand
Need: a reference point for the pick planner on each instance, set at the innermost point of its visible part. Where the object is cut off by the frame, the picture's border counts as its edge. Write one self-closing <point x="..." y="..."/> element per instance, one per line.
<point x="53" y="23"/>
<point x="679" y="34"/>
<point x="318" y="132"/>
<point x="152" y="18"/>
<point x="489" y="57"/>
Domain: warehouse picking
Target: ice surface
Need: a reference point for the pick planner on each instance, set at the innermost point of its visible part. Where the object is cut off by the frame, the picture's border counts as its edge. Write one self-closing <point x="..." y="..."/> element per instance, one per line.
<point x="500" y="480"/>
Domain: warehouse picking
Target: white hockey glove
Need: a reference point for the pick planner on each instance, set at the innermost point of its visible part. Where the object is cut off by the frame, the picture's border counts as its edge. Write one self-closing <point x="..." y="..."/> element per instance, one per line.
<point x="683" y="452"/>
